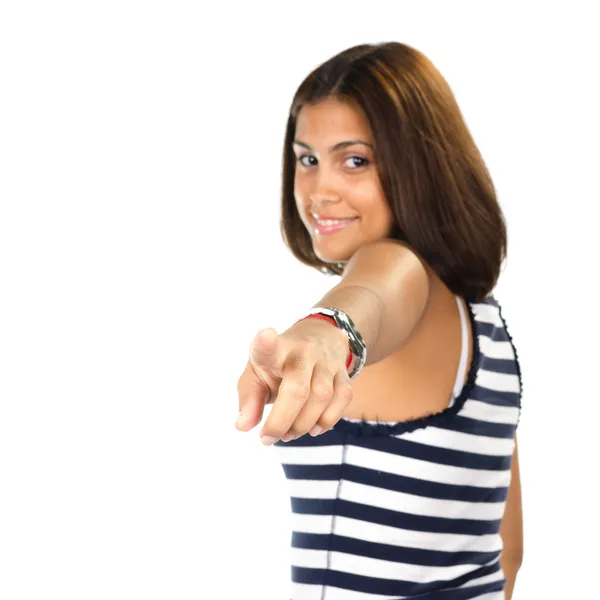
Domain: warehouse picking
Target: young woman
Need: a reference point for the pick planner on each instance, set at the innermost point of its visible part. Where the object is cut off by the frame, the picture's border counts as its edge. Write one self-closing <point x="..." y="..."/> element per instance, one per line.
<point x="396" y="398"/>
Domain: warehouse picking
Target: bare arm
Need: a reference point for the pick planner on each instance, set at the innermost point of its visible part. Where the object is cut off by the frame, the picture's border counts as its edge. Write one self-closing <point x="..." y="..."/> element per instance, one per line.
<point x="385" y="289"/>
<point x="511" y="529"/>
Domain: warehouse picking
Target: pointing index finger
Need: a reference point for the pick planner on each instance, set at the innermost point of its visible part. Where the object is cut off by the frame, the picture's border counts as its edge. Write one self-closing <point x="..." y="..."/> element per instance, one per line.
<point x="292" y="396"/>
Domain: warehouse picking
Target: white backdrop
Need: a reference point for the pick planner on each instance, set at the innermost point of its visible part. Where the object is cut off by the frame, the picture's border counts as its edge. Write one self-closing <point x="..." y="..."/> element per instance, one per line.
<point x="140" y="156"/>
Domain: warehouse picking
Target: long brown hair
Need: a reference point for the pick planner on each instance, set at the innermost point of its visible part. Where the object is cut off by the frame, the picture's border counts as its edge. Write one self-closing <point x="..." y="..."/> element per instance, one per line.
<point x="433" y="176"/>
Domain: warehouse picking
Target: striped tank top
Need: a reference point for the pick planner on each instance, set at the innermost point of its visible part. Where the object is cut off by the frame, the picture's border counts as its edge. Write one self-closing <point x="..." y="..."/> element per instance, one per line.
<point x="411" y="509"/>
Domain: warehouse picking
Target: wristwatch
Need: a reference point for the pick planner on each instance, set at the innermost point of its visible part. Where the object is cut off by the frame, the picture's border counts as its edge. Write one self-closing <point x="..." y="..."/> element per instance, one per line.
<point x="357" y="344"/>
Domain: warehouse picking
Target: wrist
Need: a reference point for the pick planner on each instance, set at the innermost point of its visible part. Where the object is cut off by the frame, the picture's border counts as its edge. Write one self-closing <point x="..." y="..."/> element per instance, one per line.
<point x="325" y="328"/>
<point x="342" y="321"/>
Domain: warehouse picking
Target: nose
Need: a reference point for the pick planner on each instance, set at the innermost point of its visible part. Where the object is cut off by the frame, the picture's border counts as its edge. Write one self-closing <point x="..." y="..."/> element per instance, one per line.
<point x="323" y="193"/>
<point x="319" y="200"/>
<point x="319" y="205"/>
<point x="324" y="188"/>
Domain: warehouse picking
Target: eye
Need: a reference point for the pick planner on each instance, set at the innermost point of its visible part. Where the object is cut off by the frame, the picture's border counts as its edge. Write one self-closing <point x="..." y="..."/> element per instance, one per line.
<point x="363" y="162"/>
<point x="305" y="156"/>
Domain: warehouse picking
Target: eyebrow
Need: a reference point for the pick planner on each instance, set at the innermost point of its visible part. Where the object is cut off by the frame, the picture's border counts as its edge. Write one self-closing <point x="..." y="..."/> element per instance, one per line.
<point x="336" y="147"/>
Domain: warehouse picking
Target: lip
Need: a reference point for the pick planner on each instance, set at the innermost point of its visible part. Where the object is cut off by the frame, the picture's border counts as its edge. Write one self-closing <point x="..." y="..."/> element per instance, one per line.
<point x="329" y="229"/>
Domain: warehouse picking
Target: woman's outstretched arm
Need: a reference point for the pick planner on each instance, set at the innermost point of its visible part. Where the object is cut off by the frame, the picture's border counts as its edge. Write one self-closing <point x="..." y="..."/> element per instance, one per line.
<point x="385" y="289"/>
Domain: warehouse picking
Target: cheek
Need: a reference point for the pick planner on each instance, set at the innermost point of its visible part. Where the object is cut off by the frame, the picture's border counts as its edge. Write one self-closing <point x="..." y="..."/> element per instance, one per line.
<point x="300" y="196"/>
<point x="369" y="200"/>
<point x="299" y="199"/>
<point x="301" y="209"/>
<point x="377" y="211"/>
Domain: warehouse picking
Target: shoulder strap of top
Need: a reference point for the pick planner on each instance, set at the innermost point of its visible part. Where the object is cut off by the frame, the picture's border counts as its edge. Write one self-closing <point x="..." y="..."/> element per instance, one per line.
<point x="464" y="352"/>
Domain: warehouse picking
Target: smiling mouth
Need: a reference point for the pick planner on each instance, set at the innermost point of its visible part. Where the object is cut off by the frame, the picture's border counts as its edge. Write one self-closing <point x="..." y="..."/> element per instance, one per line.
<point x="328" y="226"/>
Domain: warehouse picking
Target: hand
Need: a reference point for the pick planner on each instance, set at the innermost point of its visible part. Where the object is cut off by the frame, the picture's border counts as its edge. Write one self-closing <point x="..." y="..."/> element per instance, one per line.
<point x="303" y="373"/>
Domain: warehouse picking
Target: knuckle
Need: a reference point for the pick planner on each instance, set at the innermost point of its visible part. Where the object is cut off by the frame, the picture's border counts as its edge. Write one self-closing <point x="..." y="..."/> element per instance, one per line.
<point x="346" y="394"/>
<point x="322" y="392"/>
<point x="303" y="350"/>
<point x="296" y="389"/>
<point x="323" y="381"/>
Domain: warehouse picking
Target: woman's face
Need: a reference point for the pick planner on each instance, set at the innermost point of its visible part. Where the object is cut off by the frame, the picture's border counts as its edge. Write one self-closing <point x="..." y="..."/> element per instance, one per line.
<point x="336" y="179"/>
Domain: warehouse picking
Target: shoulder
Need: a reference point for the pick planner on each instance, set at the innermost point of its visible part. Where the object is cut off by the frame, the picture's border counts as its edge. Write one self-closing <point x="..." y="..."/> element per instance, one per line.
<point x="387" y="254"/>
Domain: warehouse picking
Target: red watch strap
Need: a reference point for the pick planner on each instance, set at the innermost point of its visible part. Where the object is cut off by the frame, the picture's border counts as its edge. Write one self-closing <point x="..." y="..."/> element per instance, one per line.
<point x="334" y="323"/>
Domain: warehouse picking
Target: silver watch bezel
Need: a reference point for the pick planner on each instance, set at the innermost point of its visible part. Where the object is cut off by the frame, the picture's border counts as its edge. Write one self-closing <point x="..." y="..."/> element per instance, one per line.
<point x="356" y="342"/>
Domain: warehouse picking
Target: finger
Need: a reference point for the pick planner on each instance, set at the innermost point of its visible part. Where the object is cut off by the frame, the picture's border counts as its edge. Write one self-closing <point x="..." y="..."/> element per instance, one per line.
<point x="253" y="394"/>
<point x="265" y="351"/>
<point x="291" y="397"/>
<point x="342" y="397"/>
<point x="320" y="398"/>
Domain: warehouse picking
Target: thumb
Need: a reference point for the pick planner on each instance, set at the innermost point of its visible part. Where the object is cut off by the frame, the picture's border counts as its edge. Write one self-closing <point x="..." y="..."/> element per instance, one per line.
<point x="264" y="352"/>
<point x="257" y="382"/>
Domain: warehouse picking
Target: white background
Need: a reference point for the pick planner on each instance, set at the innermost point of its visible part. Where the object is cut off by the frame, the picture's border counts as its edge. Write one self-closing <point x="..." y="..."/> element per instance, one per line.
<point x="140" y="156"/>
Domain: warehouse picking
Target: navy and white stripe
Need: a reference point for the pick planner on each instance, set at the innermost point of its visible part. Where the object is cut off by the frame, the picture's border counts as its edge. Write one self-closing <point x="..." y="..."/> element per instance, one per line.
<point x="385" y="511"/>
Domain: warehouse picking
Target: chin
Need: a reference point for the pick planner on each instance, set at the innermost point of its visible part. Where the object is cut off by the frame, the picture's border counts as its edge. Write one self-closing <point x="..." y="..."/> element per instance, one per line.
<point x="334" y="255"/>
<point x="334" y="259"/>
